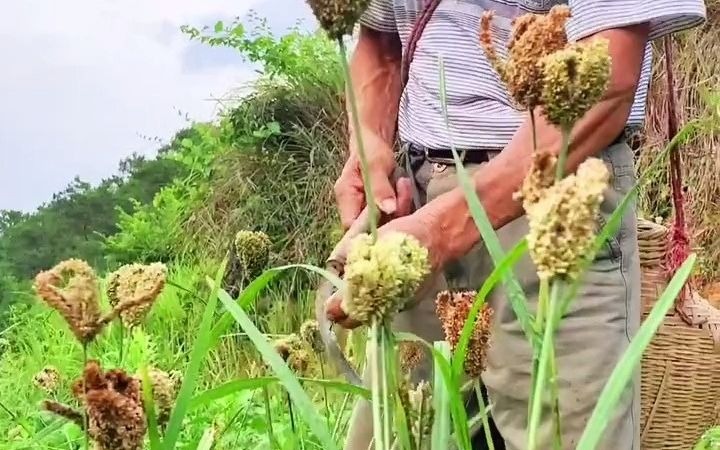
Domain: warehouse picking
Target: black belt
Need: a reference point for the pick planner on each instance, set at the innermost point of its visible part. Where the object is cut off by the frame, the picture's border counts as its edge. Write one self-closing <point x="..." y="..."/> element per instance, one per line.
<point x="475" y="155"/>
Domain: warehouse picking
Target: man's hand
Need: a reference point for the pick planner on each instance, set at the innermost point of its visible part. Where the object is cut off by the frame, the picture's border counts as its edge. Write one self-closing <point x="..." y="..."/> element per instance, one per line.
<point x="422" y="226"/>
<point x="349" y="188"/>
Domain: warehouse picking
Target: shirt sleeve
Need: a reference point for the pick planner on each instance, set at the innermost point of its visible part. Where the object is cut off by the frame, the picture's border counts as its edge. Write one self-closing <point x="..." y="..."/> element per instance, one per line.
<point x="380" y="16"/>
<point x="664" y="16"/>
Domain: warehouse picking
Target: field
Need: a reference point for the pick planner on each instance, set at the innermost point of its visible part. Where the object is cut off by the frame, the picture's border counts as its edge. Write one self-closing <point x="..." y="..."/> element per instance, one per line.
<point x="240" y="215"/>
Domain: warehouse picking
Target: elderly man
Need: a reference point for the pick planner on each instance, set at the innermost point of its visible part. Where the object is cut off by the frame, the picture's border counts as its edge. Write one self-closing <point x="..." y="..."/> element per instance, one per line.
<point x="497" y="140"/>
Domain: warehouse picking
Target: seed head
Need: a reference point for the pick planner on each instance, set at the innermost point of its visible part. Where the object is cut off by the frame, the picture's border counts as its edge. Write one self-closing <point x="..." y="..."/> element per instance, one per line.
<point x="47" y="379"/>
<point x="310" y="333"/>
<point x="71" y="288"/>
<point x="411" y="355"/>
<point x="417" y="403"/>
<point x="562" y="219"/>
<point x="133" y="288"/>
<point x="338" y="17"/>
<point x="381" y="276"/>
<point x="291" y="350"/>
<point x="116" y="419"/>
<point x="252" y="249"/>
<point x="575" y="79"/>
<point x="164" y="389"/>
<point x="533" y="36"/>
<point x="453" y="310"/>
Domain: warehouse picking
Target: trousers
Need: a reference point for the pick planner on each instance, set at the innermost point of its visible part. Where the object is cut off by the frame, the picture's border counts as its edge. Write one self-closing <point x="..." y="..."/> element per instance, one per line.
<point x="592" y="336"/>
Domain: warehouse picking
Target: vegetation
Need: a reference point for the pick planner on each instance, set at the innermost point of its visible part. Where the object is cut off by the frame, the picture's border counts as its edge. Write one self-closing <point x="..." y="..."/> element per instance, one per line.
<point x="240" y="376"/>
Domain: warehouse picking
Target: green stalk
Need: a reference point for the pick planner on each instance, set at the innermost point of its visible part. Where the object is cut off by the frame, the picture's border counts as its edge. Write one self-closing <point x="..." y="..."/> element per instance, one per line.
<point x="562" y="157"/>
<point x="385" y="391"/>
<point x="555" y="394"/>
<point x="534" y="130"/>
<point x="268" y="416"/>
<point x="543" y="300"/>
<point x="290" y="412"/>
<point x="86" y="419"/>
<point x="543" y="366"/>
<point x="375" y="382"/>
<point x="484" y="416"/>
<point x="321" y="359"/>
<point x="364" y="166"/>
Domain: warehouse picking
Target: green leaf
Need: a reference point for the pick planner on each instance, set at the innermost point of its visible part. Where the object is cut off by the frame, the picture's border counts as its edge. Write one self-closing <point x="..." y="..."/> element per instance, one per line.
<point x="304" y="405"/>
<point x="440" y="437"/>
<point x="244" y="384"/>
<point x="229" y="388"/>
<point x="197" y="357"/>
<point x="515" y="294"/>
<point x="250" y="293"/>
<point x="441" y="356"/>
<point x="207" y="440"/>
<point x="488" y="285"/>
<point x="219" y="26"/>
<point x="628" y="363"/>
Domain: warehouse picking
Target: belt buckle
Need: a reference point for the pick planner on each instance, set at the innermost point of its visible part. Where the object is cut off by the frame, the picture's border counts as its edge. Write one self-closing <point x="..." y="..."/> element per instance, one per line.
<point x="443" y="161"/>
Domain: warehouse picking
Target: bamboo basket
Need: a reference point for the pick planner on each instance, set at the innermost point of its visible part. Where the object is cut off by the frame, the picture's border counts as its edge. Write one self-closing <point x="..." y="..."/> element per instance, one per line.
<point x="680" y="388"/>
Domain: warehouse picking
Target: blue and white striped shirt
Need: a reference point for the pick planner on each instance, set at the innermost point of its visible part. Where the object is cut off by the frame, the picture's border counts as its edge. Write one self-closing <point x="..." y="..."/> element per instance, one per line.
<point x="480" y="111"/>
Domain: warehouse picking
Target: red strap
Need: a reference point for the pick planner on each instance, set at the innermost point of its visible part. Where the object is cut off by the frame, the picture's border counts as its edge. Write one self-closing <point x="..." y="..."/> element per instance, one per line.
<point x="679" y="244"/>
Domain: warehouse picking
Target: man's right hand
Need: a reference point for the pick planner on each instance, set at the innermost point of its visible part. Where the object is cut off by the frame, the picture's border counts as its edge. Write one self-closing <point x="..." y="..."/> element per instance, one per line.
<point x="349" y="187"/>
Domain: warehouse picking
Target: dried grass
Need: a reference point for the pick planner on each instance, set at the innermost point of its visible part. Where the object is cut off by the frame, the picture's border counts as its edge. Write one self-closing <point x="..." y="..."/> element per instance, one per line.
<point x="696" y="70"/>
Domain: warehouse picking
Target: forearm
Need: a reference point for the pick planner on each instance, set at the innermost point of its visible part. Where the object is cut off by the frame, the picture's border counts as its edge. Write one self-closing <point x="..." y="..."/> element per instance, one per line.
<point x="499" y="179"/>
<point x="375" y="73"/>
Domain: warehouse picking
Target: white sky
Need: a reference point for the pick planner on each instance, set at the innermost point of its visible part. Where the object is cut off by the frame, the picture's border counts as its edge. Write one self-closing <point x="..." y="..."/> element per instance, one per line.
<point x="82" y="81"/>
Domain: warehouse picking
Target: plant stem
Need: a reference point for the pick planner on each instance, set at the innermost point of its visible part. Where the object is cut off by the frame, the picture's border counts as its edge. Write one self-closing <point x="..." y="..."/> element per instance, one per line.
<point x="539" y="318"/>
<point x="122" y="340"/>
<point x="86" y="420"/>
<point x="268" y="415"/>
<point x="290" y="412"/>
<point x="375" y="385"/>
<point x="543" y="366"/>
<point x="341" y="413"/>
<point x="534" y="130"/>
<point x="385" y="391"/>
<point x="325" y="392"/>
<point x="554" y="392"/>
<point x="562" y="157"/>
<point x="355" y="120"/>
<point x="484" y="416"/>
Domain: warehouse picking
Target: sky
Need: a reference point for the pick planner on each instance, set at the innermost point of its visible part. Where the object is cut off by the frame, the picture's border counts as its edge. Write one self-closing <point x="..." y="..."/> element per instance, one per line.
<point x="85" y="83"/>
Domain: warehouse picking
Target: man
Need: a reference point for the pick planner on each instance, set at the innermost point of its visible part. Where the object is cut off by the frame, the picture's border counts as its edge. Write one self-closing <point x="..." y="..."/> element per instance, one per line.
<point x="497" y="139"/>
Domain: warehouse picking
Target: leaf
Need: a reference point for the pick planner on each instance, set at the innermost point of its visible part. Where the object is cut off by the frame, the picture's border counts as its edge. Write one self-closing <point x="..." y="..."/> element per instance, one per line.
<point x="207" y="440"/>
<point x="488" y="285"/>
<point x="451" y="384"/>
<point x="628" y="363"/>
<point x="515" y="294"/>
<point x="250" y="293"/>
<point x="229" y="388"/>
<point x="197" y="356"/>
<point x="300" y="399"/>
<point x="243" y="384"/>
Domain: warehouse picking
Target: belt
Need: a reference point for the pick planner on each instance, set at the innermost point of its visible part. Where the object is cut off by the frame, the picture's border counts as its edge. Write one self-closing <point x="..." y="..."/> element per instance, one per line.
<point x="477" y="155"/>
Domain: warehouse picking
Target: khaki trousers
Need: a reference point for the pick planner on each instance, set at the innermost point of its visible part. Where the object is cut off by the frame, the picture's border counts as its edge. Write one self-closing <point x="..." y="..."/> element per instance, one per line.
<point x="592" y="335"/>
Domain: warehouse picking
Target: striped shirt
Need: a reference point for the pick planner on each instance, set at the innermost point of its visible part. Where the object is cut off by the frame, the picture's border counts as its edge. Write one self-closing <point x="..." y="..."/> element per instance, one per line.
<point x="480" y="111"/>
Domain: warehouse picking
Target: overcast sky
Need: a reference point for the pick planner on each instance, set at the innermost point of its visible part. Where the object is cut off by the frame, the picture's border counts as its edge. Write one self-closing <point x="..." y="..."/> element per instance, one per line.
<point x="84" y="82"/>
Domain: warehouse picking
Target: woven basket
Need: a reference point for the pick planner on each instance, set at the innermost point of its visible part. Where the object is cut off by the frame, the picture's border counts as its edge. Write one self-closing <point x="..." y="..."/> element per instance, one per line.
<point x="680" y="387"/>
